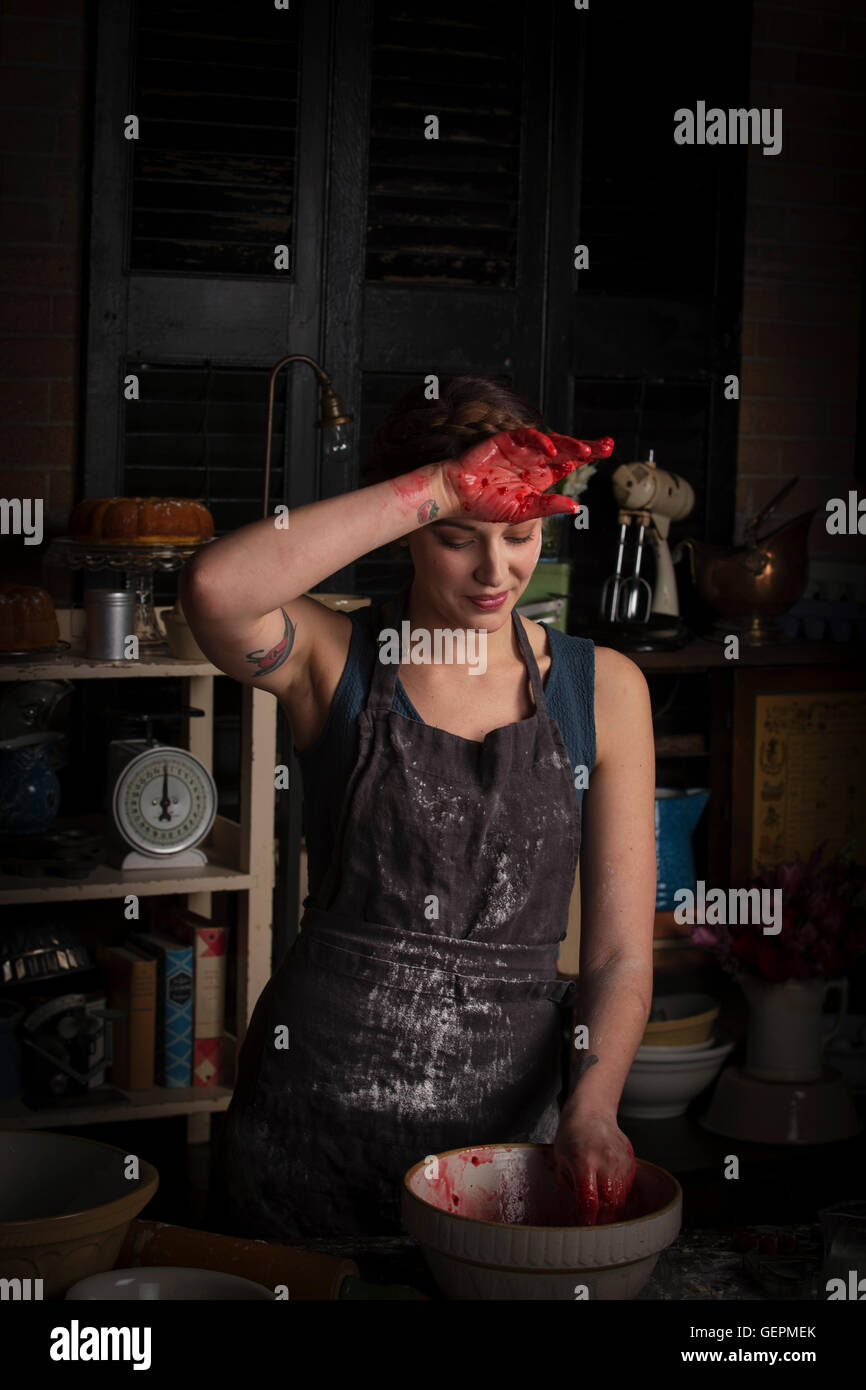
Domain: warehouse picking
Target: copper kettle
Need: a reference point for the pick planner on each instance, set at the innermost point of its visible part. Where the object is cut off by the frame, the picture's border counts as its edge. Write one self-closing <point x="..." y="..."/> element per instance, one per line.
<point x="749" y="586"/>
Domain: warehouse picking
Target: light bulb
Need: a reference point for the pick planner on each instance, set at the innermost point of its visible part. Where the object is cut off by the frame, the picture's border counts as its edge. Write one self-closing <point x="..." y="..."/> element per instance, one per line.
<point x="335" y="439"/>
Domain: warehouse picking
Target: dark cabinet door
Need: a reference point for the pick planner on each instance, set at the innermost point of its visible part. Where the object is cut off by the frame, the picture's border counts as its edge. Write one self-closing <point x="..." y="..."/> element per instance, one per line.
<point x="205" y="254"/>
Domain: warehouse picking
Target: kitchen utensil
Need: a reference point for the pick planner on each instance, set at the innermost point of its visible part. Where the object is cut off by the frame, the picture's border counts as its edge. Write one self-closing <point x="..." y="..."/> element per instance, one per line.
<point x="677" y="812"/>
<point x="749" y="587"/>
<point x="65" y="1205"/>
<point x="306" y="1274"/>
<point x="29" y="786"/>
<point x="680" y="1018"/>
<point x="110" y="621"/>
<point x="628" y="597"/>
<point x="493" y="1223"/>
<point x="178" y="634"/>
<point x="781" y="1112"/>
<point x="843" y="1227"/>
<point x="660" y="1087"/>
<point x="170" y="1282"/>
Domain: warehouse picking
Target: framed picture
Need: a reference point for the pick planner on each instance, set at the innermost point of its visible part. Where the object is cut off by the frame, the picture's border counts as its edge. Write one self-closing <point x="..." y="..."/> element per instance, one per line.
<point x="791" y="772"/>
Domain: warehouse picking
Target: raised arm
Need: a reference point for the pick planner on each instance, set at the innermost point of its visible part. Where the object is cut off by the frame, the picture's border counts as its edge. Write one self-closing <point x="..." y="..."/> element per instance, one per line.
<point x="243" y="595"/>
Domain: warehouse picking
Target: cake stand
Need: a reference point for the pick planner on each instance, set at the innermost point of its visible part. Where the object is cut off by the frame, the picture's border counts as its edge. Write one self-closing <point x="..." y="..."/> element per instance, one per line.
<point x="139" y="563"/>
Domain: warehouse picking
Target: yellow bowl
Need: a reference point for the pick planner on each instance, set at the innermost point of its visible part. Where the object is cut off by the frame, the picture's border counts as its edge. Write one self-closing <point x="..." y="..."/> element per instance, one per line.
<point x="690" y="1019"/>
<point x="65" y="1206"/>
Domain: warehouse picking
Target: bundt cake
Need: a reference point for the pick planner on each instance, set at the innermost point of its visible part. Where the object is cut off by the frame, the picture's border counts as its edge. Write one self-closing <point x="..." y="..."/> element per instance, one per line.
<point x="27" y="618"/>
<point x="141" y="520"/>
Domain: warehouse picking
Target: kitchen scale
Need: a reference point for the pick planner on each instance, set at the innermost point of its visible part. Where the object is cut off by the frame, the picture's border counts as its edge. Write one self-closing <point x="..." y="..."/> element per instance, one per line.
<point x="161" y="800"/>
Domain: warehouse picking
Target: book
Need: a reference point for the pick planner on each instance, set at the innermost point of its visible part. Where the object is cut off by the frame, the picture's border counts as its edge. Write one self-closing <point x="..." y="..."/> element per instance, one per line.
<point x="132" y="988"/>
<point x="174" y="1006"/>
<point x="210" y="944"/>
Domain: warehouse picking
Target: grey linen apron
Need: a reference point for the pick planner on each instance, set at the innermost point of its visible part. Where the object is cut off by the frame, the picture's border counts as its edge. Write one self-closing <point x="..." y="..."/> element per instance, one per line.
<point x="421" y="999"/>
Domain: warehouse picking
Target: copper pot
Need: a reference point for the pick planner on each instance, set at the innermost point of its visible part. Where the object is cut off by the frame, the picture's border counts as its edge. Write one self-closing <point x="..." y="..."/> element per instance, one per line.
<point x="765" y="577"/>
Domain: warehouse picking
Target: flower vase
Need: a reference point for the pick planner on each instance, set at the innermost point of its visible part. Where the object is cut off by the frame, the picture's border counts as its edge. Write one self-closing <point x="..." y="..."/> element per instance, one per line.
<point x="786" y="1036"/>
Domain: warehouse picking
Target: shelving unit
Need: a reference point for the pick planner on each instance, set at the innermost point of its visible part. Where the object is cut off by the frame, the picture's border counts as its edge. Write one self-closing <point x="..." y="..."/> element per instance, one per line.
<point x="241" y="859"/>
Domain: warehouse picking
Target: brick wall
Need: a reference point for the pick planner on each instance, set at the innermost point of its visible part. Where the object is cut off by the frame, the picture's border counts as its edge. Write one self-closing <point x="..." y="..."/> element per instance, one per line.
<point x="802" y="292"/>
<point x="43" y="103"/>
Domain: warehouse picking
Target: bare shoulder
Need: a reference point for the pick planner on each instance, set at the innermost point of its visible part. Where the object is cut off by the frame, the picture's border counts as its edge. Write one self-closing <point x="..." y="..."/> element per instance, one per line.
<point x="622" y="701"/>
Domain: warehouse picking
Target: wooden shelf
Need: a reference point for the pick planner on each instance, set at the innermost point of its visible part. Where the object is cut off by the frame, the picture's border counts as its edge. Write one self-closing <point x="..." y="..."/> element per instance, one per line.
<point x="705" y="654"/>
<point x="681" y="746"/>
<point x="155" y="1103"/>
<point x="74" y="665"/>
<point x="106" y="882"/>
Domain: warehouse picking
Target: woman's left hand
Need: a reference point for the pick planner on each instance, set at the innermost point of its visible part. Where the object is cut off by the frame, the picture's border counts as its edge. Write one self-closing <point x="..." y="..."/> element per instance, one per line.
<point x="596" y="1161"/>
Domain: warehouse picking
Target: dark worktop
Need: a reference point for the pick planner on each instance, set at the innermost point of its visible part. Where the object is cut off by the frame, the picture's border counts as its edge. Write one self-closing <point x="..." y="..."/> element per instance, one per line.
<point x="773" y="1197"/>
<point x="699" y="1265"/>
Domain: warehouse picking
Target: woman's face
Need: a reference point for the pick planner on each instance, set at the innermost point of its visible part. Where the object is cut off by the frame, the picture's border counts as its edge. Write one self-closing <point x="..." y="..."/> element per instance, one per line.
<point x="459" y="563"/>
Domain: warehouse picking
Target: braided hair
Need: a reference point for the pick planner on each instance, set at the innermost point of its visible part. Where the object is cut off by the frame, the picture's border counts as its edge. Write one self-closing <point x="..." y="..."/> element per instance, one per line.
<point x="417" y="431"/>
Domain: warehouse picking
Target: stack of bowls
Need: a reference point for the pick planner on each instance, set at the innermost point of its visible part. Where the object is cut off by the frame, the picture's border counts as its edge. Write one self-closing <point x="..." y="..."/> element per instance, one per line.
<point x="682" y="1053"/>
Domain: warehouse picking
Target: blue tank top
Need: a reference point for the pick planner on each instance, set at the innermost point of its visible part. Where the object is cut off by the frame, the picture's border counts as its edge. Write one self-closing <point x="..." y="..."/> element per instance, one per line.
<point x="327" y="764"/>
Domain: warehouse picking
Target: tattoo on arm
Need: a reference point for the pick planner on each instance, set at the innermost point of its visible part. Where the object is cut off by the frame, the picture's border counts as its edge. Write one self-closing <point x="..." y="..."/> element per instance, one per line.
<point x="588" y="1060"/>
<point x="269" y="660"/>
<point x="427" y="511"/>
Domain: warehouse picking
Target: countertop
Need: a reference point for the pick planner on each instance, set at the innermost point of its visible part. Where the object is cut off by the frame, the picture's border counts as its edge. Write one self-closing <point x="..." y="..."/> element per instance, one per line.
<point x="701" y="1264"/>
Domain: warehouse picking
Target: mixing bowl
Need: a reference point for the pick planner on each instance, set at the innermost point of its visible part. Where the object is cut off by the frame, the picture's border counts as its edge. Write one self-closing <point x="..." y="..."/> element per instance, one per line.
<point x="493" y="1223"/>
<point x="680" y="1018"/>
<point x="65" y="1206"/>
<point x="659" y="1087"/>
<point x="159" y="1282"/>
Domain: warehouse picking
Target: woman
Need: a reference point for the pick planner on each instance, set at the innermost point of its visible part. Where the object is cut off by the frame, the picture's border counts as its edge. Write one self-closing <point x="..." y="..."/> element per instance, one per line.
<point x="419" y="1009"/>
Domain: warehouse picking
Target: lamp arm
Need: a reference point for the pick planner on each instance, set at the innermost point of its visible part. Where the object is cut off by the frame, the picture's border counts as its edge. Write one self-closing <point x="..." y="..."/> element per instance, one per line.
<point x="324" y="380"/>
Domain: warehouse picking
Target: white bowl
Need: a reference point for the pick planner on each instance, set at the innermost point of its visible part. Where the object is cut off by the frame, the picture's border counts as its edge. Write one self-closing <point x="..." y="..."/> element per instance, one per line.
<point x="660" y="1088"/>
<point x="515" y="1241"/>
<point x="675" y="1050"/>
<point x="162" y="1282"/>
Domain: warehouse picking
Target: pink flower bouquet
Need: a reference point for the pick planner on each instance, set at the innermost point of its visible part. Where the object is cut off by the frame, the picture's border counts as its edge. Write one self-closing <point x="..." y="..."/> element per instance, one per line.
<point x="823" y="922"/>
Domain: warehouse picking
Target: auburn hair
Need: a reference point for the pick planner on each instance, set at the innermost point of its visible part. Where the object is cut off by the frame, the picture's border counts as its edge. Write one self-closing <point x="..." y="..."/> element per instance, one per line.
<point x="417" y="431"/>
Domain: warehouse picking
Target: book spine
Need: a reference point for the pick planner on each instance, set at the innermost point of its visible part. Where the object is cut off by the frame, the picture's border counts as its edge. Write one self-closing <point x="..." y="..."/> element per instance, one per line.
<point x="177" y="1017"/>
<point x="210" y="987"/>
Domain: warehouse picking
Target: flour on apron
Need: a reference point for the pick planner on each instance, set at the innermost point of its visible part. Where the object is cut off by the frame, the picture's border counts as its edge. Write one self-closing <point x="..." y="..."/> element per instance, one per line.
<point x="411" y="1034"/>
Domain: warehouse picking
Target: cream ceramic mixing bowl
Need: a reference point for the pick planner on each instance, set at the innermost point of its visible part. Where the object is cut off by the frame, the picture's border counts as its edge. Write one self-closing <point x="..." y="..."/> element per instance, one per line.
<point x="492" y="1222"/>
<point x="65" y="1206"/>
<point x="658" y="1088"/>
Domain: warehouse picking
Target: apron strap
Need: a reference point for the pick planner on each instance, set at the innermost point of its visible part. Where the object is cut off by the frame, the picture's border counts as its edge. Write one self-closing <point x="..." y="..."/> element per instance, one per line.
<point x="532" y="664"/>
<point x="388" y="614"/>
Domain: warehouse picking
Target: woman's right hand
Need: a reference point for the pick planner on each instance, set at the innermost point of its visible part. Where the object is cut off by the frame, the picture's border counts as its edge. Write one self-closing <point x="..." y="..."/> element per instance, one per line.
<point x="504" y="478"/>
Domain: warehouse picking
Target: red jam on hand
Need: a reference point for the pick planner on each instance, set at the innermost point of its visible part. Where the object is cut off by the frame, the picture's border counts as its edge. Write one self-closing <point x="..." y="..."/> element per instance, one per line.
<point x="599" y="1203"/>
<point x="504" y="478"/>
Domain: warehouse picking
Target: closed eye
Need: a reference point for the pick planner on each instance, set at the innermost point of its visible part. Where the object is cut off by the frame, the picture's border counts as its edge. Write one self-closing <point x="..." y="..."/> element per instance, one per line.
<point x="461" y="545"/>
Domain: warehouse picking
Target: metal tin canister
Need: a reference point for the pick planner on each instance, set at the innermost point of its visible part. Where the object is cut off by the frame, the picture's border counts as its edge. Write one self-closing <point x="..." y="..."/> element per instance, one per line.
<point x="110" y="620"/>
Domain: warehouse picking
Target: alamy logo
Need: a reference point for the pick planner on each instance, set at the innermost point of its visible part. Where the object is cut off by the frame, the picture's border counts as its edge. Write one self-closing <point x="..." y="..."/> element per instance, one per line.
<point x="77" y="1343"/>
<point x="734" y="127"/>
<point x="22" y="516"/>
<point x="20" y="1290"/>
<point x="738" y="907"/>
<point x="451" y="648"/>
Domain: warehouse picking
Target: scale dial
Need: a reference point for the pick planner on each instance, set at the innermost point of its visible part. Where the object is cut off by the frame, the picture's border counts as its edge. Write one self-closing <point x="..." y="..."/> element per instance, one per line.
<point x="164" y="801"/>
